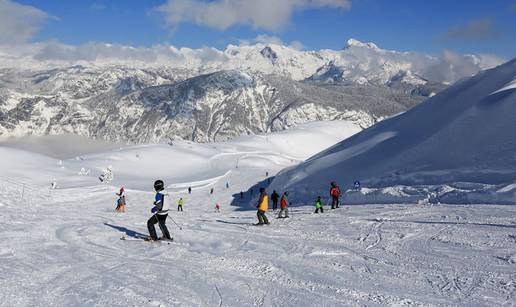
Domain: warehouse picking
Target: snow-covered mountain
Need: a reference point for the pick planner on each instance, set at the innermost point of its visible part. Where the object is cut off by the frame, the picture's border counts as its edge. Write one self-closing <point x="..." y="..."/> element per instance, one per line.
<point x="207" y="94"/>
<point x="466" y="133"/>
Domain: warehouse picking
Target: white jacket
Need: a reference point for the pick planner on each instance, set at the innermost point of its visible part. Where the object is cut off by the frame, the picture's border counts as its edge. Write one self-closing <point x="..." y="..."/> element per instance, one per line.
<point x="161" y="202"/>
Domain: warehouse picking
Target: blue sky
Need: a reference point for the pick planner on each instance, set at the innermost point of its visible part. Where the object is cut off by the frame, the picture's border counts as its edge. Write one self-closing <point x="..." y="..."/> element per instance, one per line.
<point x="425" y="26"/>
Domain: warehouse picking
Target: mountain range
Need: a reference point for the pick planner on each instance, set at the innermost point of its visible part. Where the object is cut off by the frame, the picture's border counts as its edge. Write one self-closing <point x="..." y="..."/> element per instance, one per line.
<point x="212" y="95"/>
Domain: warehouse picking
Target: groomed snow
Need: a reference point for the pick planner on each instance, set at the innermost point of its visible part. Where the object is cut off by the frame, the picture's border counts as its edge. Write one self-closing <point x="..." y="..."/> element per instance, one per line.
<point x="62" y="247"/>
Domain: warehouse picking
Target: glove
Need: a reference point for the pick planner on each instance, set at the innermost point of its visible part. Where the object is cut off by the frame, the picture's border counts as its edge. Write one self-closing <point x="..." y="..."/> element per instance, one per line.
<point x="154" y="210"/>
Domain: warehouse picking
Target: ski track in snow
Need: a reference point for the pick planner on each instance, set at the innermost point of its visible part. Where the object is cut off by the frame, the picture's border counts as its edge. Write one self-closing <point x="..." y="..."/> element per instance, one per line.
<point x="62" y="247"/>
<point x="405" y="255"/>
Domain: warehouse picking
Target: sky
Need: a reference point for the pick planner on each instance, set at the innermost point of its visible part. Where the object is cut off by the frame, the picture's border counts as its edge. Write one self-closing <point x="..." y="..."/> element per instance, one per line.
<point x="465" y="26"/>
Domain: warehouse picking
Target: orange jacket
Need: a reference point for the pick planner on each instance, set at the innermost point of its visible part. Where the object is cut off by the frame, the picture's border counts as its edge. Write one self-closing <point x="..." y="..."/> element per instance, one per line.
<point x="263" y="202"/>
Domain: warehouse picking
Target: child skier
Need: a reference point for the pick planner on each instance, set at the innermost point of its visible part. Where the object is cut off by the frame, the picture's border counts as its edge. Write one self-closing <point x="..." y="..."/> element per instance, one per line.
<point x="318" y="205"/>
<point x="120" y="203"/>
<point x="160" y="211"/>
<point x="180" y="203"/>
<point x="335" y="194"/>
<point x="283" y="206"/>
<point x="263" y="206"/>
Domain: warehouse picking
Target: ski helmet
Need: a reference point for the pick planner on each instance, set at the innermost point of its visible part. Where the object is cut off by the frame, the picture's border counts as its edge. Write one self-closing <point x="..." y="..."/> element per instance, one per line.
<point x="159" y="185"/>
<point x="262" y="190"/>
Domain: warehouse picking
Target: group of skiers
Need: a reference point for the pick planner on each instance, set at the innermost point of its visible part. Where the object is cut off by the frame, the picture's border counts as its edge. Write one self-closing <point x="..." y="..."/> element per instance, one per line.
<point x="161" y="206"/>
<point x="263" y="203"/>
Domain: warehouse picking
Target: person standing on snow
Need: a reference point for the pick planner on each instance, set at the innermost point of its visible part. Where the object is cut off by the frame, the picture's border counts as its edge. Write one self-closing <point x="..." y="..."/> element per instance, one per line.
<point x="335" y="194"/>
<point x="180" y="203"/>
<point x="263" y="206"/>
<point x="120" y="203"/>
<point x="275" y="198"/>
<point x="318" y="205"/>
<point x="189" y="190"/>
<point x="160" y="211"/>
<point x="283" y="206"/>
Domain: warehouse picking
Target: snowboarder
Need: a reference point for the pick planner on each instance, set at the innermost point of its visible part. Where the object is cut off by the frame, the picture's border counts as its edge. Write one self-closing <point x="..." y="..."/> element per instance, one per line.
<point x="335" y="194"/>
<point x="160" y="211"/>
<point x="180" y="203"/>
<point x="189" y="190"/>
<point x="263" y="206"/>
<point x="283" y="206"/>
<point x="217" y="207"/>
<point x="356" y="185"/>
<point x="275" y="198"/>
<point x="318" y="205"/>
<point x="120" y="203"/>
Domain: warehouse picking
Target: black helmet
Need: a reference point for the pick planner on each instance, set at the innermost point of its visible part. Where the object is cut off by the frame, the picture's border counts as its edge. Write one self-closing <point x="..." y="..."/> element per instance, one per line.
<point x="159" y="185"/>
<point x="262" y="190"/>
<point x="286" y="193"/>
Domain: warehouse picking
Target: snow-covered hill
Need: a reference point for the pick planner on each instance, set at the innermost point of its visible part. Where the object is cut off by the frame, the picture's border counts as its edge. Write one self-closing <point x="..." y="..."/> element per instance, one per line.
<point x="209" y="94"/>
<point x="465" y="133"/>
<point x="62" y="247"/>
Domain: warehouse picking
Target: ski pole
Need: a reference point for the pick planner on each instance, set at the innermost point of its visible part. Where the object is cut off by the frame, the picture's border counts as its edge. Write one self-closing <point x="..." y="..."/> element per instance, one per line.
<point x="176" y="223"/>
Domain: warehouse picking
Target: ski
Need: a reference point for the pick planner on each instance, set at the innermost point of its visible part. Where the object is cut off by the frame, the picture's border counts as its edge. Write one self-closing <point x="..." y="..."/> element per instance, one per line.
<point x="145" y="239"/>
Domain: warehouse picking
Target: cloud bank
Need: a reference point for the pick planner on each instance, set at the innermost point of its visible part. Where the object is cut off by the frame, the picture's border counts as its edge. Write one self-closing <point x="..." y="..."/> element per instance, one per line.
<point x="19" y="23"/>
<point x="272" y="15"/>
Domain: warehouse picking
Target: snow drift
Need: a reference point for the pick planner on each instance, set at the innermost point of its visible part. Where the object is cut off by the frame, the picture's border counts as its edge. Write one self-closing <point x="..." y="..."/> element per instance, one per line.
<point x="464" y="134"/>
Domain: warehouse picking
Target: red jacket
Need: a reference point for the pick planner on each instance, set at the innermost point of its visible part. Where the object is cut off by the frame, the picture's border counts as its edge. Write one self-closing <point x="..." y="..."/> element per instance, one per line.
<point x="283" y="202"/>
<point x="335" y="192"/>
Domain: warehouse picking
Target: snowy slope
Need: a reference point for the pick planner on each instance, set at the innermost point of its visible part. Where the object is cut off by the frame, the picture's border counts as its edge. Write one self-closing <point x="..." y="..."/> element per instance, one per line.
<point x="62" y="247"/>
<point x="465" y="133"/>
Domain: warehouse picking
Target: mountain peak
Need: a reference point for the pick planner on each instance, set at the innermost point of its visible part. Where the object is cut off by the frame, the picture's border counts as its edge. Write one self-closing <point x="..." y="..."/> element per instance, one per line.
<point x="356" y="43"/>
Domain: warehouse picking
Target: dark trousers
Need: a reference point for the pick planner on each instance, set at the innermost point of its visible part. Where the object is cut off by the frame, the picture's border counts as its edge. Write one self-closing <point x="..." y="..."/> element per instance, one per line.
<point x="317" y="210"/>
<point x="334" y="202"/>
<point x="160" y="220"/>
<point x="262" y="218"/>
<point x="179" y="208"/>
<point x="274" y="205"/>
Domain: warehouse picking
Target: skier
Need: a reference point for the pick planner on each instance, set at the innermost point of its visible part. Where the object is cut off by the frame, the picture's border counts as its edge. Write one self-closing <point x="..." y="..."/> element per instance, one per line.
<point x="335" y="194"/>
<point x="356" y="185"/>
<point x="227" y="184"/>
<point x="275" y="198"/>
<point x="180" y="203"/>
<point x="283" y="205"/>
<point x="160" y="211"/>
<point x="217" y="207"/>
<point x="263" y="206"/>
<point x="120" y="204"/>
<point x="318" y="205"/>
<point x="211" y="191"/>
<point x="241" y="195"/>
<point x="189" y="190"/>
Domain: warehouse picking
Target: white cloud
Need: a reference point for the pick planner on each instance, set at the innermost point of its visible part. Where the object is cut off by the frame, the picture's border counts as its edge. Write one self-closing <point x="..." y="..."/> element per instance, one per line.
<point x="19" y="23"/>
<point x="274" y="40"/>
<point x="271" y="15"/>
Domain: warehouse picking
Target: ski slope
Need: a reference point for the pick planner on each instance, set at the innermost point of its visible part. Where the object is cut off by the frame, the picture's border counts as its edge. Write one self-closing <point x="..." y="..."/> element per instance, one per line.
<point x="62" y="247"/>
<point x="465" y="133"/>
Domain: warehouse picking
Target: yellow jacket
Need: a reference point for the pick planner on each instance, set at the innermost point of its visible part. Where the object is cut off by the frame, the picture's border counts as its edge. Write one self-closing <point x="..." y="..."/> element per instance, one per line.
<point x="263" y="203"/>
